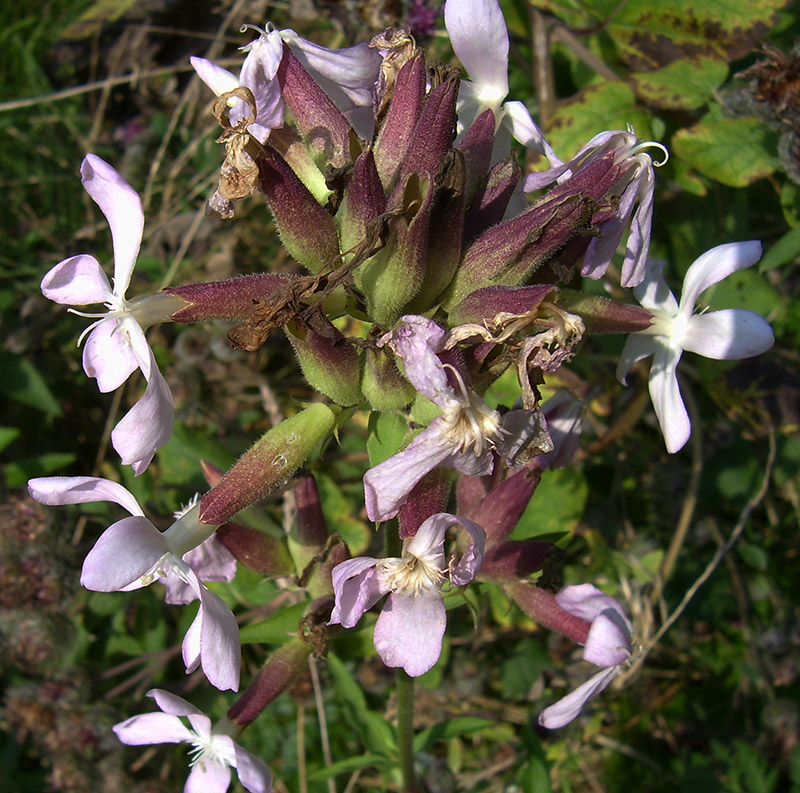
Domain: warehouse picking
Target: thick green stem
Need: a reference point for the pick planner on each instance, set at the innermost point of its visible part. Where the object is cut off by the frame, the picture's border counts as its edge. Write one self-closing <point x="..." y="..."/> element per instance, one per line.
<point x="405" y="730"/>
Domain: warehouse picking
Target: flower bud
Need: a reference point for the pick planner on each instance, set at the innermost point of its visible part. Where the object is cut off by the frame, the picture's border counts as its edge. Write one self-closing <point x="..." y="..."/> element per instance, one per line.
<point x="515" y="559"/>
<point x="364" y="200"/>
<point x="306" y="228"/>
<point x="603" y="315"/>
<point x="482" y="306"/>
<point x="382" y="384"/>
<point x="323" y="127"/>
<point x="427" y="498"/>
<point x="540" y="605"/>
<point x="394" y="136"/>
<point x="291" y="147"/>
<point x="329" y="362"/>
<point x="491" y="200"/>
<point x="231" y="299"/>
<point x="268" y="463"/>
<point x="476" y="146"/>
<point x="258" y="550"/>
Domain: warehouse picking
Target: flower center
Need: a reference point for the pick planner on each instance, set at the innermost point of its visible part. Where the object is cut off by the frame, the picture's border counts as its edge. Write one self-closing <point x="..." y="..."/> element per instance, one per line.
<point x="469" y="421"/>
<point x="410" y="575"/>
<point x="205" y="749"/>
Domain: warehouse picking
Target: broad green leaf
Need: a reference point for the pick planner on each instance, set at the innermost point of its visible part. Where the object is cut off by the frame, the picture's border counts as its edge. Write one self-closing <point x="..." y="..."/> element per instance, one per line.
<point x="20" y="380"/>
<point x="7" y="436"/>
<point x="278" y="628"/>
<point x="523" y="667"/>
<point x="386" y="434"/>
<point x="535" y="775"/>
<point x="683" y="85"/>
<point x="451" y="728"/>
<point x="785" y="250"/>
<point x="734" y="151"/>
<point x="20" y="471"/>
<point x="601" y="107"/>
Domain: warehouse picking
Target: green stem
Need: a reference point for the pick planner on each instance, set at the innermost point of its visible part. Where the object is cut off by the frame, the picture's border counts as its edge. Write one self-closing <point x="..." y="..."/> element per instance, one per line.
<point x="405" y="730"/>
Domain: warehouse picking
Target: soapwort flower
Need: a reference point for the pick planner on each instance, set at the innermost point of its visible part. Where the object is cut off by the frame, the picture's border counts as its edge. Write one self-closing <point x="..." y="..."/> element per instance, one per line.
<point x="133" y="553"/>
<point x="213" y="752"/>
<point x="116" y="345"/>
<point x="479" y="37"/>
<point x="725" y="335"/>
<point x="608" y="645"/>
<point x="463" y="437"/>
<point x="409" y="631"/>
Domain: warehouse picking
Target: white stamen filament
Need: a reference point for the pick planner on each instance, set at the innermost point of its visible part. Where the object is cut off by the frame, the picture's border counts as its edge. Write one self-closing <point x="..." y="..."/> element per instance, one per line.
<point x="410" y="575"/>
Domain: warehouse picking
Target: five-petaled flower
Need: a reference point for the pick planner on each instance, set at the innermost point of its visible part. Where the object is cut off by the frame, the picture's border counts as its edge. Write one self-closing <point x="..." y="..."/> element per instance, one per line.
<point x="728" y="334"/>
<point x="213" y="752"/>
<point x="462" y="437"/>
<point x="410" y="628"/>
<point x="608" y="644"/>
<point x="116" y="345"/>
<point x="133" y="553"/>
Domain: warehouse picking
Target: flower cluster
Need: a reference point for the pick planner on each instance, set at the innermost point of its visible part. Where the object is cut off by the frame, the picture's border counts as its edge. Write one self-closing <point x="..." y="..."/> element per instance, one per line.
<point x="392" y="184"/>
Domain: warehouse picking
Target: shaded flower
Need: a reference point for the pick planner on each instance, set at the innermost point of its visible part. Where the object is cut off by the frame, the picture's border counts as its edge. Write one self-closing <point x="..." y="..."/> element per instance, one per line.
<point x="116" y="345"/>
<point x="479" y="37"/>
<point x="728" y="334"/>
<point x="608" y="644"/>
<point x="133" y="553"/>
<point x="633" y="194"/>
<point x="409" y="630"/>
<point x="463" y="437"/>
<point x="213" y="752"/>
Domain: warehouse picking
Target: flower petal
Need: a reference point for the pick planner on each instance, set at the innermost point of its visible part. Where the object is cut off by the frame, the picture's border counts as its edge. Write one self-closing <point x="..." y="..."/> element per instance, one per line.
<point x="409" y="632"/>
<point x="479" y="38"/>
<point x="77" y="281"/>
<point x="152" y="728"/>
<point x="125" y="551"/>
<point x="108" y="354"/>
<point x="219" y="80"/>
<point x="356" y="589"/>
<point x="252" y="772"/>
<point x="208" y="776"/>
<point x="122" y="207"/>
<point x="729" y="334"/>
<point x="609" y="639"/>
<point x="666" y="397"/>
<point x="148" y="424"/>
<point x="59" y="490"/>
<point x="638" y="245"/>
<point x="517" y="118"/>
<point x="653" y="293"/>
<point x="172" y="703"/>
<point x="636" y="348"/>
<point x="588" y="602"/>
<point x="713" y="266"/>
<point x="387" y="485"/>
<point x="566" y="709"/>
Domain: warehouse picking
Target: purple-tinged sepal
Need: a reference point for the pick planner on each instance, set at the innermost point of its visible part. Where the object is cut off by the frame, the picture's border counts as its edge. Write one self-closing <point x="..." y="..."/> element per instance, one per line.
<point x="268" y="463"/>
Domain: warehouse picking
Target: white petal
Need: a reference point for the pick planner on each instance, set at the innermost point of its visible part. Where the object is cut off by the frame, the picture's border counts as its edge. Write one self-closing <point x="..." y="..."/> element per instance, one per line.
<point x="566" y="709"/>
<point x="220" y="653"/>
<point x="122" y="207"/>
<point x="172" y="703"/>
<point x="252" y="772"/>
<point x="125" y="551"/>
<point x="409" y="632"/>
<point x="653" y="293"/>
<point x="77" y="281"/>
<point x="714" y="265"/>
<point x="667" y="400"/>
<point x="208" y="776"/>
<point x="152" y="728"/>
<point x="588" y="602"/>
<point x="147" y="426"/>
<point x="634" y="265"/>
<point x="58" y="490"/>
<point x="479" y="37"/>
<point x="108" y="354"/>
<point x="517" y="118"/>
<point x="609" y="639"/>
<point x="219" y="80"/>
<point x="729" y="334"/>
<point x="637" y="347"/>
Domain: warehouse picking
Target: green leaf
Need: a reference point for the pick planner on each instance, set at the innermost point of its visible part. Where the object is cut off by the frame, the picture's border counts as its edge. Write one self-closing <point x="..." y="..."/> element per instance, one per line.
<point x="348" y="765"/>
<point x="683" y="85"/>
<point x="598" y="108"/>
<point x="22" y="382"/>
<point x="523" y="668"/>
<point x="340" y="516"/>
<point x="733" y="151"/>
<point x="556" y="507"/>
<point x="535" y="775"/>
<point x="451" y="728"/>
<point x="7" y="436"/>
<point x="278" y="628"/>
<point x="386" y="434"/>
<point x="19" y="472"/>
<point x="785" y="250"/>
